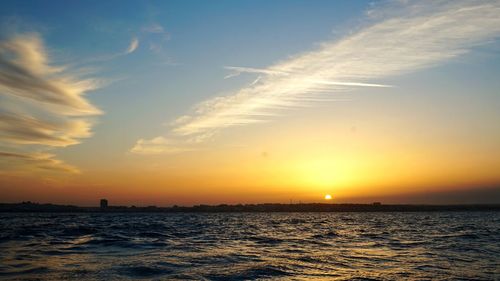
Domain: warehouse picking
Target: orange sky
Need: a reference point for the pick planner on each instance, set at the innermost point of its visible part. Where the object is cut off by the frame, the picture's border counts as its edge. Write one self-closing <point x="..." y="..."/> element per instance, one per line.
<point x="394" y="102"/>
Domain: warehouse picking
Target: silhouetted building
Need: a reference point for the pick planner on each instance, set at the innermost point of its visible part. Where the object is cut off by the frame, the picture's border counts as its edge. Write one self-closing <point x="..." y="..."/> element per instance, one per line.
<point x="377" y="203"/>
<point x="104" y="203"/>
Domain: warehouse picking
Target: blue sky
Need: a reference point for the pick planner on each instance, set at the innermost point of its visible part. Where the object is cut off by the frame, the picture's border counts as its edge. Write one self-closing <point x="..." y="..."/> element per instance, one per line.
<point x="163" y="79"/>
<point x="199" y="39"/>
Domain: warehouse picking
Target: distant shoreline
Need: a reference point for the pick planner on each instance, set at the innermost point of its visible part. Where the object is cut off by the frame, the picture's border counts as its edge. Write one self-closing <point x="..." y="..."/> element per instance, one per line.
<point x="255" y="208"/>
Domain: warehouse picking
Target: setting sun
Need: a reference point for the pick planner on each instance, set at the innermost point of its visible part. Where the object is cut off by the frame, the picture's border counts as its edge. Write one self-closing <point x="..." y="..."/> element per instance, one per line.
<point x="233" y="124"/>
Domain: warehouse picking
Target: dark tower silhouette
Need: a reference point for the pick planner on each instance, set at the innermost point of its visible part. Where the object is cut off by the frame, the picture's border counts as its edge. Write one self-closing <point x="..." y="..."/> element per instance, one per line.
<point x="104" y="203"/>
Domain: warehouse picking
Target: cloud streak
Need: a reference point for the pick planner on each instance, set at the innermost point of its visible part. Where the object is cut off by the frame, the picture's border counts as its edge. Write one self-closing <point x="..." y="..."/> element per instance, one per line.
<point x="132" y="47"/>
<point x="21" y="128"/>
<point x="134" y="44"/>
<point x="35" y="161"/>
<point x="159" y="145"/>
<point x="407" y="36"/>
<point x="237" y="70"/>
<point x="25" y="72"/>
<point x="42" y="105"/>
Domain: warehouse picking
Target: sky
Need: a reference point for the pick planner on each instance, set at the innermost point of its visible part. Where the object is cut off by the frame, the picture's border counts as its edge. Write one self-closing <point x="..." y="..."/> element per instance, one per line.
<point x="209" y="102"/>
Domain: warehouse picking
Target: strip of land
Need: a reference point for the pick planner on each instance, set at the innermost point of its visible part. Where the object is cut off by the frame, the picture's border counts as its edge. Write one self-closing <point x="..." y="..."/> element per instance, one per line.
<point x="267" y="207"/>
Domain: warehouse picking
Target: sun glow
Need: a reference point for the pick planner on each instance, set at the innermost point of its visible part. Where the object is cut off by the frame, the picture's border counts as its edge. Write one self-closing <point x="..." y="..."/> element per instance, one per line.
<point x="327" y="172"/>
<point x="328" y="197"/>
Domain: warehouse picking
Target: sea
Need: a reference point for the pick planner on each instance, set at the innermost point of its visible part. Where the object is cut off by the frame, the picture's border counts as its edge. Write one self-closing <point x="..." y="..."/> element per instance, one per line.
<point x="250" y="246"/>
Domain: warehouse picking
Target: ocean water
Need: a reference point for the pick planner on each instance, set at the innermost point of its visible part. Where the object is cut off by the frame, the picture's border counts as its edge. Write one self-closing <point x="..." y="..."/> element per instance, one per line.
<point x="249" y="246"/>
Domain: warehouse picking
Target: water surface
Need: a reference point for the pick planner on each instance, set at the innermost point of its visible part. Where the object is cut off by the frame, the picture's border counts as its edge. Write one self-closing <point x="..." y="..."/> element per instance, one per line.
<point x="247" y="246"/>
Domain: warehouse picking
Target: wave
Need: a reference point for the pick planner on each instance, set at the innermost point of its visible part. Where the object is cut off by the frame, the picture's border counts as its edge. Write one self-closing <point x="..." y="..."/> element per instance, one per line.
<point x="388" y="246"/>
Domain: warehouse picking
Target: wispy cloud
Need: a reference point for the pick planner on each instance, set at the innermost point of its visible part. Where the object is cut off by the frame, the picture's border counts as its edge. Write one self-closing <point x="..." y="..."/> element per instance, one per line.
<point x="134" y="44"/>
<point x="154" y="28"/>
<point x="42" y="105"/>
<point x="158" y="145"/>
<point x="240" y="70"/>
<point x="407" y="36"/>
<point x="237" y="70"/>
<point x="132" y="47"/>
<point x="20" y="128"/>
<point x="25" y="72"/>
<point x="35" y="161"/>
<point x="155" y="37"/>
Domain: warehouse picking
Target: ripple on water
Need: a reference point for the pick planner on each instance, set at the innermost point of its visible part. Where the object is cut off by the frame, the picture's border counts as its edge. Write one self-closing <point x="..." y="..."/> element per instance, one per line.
<point x="252" y="273"/>
<point x="143" y="271"/>
<point x="15" y="272"/>
<point x="338" y="246"/>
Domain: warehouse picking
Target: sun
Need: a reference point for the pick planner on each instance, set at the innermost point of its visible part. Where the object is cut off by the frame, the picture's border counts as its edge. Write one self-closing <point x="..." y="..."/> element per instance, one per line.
<point x="328" y="197"/>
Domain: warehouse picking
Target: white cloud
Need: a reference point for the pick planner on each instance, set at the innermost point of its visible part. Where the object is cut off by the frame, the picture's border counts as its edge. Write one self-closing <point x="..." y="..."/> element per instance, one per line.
<point x="134" y="44"/>
<point x="407" y="36"/>
<point x="158" y="145"/>
<point x="20" y="128"/>
<point x="25" y="72"/>
<point x="42" y="105"/>
<point x="237" y="70"/>
<point x="34" y="162"/>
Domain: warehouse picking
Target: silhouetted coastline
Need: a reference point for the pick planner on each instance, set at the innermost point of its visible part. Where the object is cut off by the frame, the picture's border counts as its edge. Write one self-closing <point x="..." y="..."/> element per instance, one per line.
<point x="265" y="207"/>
